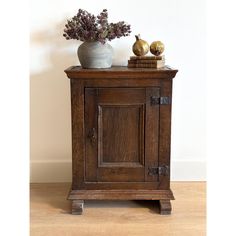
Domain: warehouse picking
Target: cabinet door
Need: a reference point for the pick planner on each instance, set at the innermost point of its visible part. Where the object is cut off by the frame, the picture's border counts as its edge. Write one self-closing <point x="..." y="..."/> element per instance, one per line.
<point x="121" y="134"/>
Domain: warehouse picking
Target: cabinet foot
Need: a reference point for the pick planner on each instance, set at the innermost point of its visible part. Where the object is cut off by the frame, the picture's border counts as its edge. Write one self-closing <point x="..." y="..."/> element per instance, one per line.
<point x="165" y="207"/>
<point x="77" y="207"/>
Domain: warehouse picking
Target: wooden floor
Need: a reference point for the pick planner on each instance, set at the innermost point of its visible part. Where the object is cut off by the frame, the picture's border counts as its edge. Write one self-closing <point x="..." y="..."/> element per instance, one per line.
<point x="50" y="214"/>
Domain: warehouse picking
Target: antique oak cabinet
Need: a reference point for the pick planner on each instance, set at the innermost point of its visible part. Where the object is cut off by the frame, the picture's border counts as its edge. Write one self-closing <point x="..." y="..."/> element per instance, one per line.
<point x="121" y="126"/>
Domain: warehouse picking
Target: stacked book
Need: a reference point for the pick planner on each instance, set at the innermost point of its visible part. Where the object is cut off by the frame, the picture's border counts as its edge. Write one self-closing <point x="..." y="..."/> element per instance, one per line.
<point x="146" y="62"/>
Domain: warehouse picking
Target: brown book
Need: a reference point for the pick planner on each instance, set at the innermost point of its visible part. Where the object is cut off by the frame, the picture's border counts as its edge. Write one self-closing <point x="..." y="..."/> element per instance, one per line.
<point x="146" y="65"/>
<point x="147" y="57"/>
<point x="137" y="64"/>
<point x="146" y="61"/>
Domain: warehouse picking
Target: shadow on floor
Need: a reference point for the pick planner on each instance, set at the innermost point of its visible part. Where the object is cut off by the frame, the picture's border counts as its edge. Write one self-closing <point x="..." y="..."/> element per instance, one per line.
<point x="153" y="206"/>
<point x="56" y="196"/>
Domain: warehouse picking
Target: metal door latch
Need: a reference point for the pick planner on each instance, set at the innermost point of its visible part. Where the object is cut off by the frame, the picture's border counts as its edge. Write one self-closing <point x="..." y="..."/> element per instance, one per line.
<point x="160" y="170"/>
<point x="159" y="100"/>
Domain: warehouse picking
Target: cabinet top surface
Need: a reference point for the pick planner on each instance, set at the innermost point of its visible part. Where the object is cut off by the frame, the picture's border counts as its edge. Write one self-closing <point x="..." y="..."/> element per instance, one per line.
<point x="76" y="72"/>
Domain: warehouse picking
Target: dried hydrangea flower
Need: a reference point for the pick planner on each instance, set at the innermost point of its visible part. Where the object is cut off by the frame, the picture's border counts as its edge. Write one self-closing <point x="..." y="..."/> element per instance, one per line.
<point x="85" y="26"/>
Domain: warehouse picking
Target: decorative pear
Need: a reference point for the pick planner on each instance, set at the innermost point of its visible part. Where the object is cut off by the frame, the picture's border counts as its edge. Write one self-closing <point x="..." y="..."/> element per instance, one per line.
<point x="157" y="48"/>
<point x="140" y="47"/>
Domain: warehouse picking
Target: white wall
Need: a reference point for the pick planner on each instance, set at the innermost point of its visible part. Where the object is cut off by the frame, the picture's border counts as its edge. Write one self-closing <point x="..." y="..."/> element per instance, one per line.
<point x="180" y="24"/>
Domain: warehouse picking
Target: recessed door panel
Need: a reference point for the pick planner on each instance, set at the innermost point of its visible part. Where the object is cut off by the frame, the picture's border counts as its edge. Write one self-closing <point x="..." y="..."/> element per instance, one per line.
<point x="120" y="140"/>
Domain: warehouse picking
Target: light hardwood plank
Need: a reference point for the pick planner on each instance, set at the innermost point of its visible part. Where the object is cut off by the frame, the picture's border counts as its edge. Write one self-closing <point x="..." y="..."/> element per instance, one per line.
<point x="50" y="214"/>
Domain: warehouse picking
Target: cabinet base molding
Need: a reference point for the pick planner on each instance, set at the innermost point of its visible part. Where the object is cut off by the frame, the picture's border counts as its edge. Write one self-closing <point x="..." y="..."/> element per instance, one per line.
<point x="78" y="197"/>
<point x="121" y="195"/>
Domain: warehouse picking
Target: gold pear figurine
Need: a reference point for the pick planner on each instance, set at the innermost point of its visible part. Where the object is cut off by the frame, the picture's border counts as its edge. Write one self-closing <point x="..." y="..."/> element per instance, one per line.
<point x="157" y="48"/>
<point x="140" y="47"/>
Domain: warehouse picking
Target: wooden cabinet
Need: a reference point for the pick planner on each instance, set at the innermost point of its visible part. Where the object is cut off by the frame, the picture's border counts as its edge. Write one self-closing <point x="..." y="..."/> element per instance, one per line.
<point x="121" y="123"/>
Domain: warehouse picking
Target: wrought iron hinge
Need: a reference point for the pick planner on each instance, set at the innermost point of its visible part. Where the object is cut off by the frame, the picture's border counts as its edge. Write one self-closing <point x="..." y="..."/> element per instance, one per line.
<point x="160" y="170"/>
<point x="160" y="100"/>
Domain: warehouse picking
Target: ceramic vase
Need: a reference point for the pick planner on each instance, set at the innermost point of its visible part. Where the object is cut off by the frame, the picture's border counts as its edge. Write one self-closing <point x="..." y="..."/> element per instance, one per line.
<point x="95" y="55"/>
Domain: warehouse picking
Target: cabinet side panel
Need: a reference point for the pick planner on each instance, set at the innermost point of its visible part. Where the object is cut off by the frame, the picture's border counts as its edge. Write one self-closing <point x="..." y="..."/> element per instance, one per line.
<point x="165" y="133"/>
<point x="77" y="114"/>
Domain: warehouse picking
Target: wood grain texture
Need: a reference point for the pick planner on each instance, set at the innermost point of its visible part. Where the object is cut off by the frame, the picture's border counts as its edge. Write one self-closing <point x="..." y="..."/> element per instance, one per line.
<point x="77" y="116"/>
<point x="121" y="194"/>
<point x="117" y="117"/>
<point x="124" y="83"/>
<point x="165" y="207"/>
<point x="50" y="214"/>
<point x="119" y="185"/>
<point x="121" y="72"/>
<point x="91" y="127"/>
<point x="121" y="139"/>
<point x="165" y="133"/>
<point x="152" y="133"/>
<point x="121" y="127"/>
<point x="77" y="207"/>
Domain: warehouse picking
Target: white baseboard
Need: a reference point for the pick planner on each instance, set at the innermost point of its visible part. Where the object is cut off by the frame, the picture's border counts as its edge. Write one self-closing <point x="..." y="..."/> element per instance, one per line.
<point x="61" y="171"/>
<point x="50" y="171"/>
<point x="185" y="170"/>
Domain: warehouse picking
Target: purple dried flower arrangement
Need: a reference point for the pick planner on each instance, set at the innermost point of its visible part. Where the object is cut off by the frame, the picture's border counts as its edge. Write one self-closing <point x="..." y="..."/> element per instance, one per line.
<point x="88" y="27"/>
